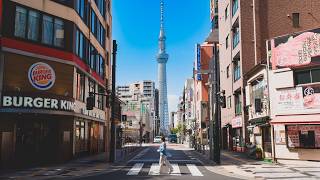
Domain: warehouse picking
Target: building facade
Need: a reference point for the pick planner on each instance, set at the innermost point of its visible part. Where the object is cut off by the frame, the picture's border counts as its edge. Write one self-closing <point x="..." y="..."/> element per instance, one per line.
<point x="53" y="53"/>
<point x="140" y="106"/>
<point x="204" y="53"/>
<point x="244" y="27"/>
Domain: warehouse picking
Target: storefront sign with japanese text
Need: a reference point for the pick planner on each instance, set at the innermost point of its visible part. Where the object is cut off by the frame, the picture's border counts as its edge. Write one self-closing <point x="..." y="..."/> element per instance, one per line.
<point x="236" y="122"/>
<point x="296" y="50"/>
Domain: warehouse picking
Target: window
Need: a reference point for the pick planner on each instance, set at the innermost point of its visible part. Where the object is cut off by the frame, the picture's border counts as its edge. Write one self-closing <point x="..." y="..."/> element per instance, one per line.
<point x="93" y="58"/>
<point x="92" y="88"/>
<point x="47" y="30"/>
<point x="28" y="25"/>
<point x="237" y="101"/>
<point x="295" y="20"/>
<point x="226" y="12"/>
<point x="307" y="76"/>
<point x="100" y="69"/>
<point x="303" y="136"/>
<point x="93" y="22"/>
<point x="257" y="94"/>
<point x="235" y="6"/>
<point x="80" y="44"/>
<point x="235" y="39"/>
<point x="108" y="31"/>
<point x="80" y="94"/>
<point x="20" y="22"/>
<point x="82" y="9"/>
<point x="228" y="71"/>
<point x="229" y="102"/>
<point x="236" y="70"/>
<point x="100" y="97"/>
<point x="58" y="33"/>
<point x="33" y="25"/>
<point x="101" y="4"/>
<point x="107" y="60"/>
<point x="227" y="41"/>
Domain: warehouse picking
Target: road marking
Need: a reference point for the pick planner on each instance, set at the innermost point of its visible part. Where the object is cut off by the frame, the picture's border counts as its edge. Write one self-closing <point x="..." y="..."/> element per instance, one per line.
<point x="155" y="169"/>
<point x="194" y="170"/>
<point x="135" y="169"/>
<point x="176" y="170"/>
<point x="171" y="160"/>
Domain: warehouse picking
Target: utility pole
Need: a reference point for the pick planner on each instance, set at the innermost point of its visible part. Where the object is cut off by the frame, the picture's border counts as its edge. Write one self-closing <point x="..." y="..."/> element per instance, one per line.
<point x="216" y="93"/>
<point x="113" y="103"/>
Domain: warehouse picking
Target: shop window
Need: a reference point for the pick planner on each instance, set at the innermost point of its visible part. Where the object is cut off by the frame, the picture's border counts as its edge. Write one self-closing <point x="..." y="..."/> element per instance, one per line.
<point x="92" y="88"/>
<point x="80" y="95"/>
<point x="303" y="136"/>
<point x="100" y="97"/>
<point x="307" y="139"/>
<point x="20" y="22"/>
<point x="33" y="25"/>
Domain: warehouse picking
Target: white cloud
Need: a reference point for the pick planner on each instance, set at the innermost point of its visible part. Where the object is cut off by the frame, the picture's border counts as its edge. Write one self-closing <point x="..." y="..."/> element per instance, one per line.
<point x="172" y="102"/>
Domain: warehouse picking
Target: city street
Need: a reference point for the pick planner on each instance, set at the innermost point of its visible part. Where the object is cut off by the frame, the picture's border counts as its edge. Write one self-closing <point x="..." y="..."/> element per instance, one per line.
<point x="145" y="166"/>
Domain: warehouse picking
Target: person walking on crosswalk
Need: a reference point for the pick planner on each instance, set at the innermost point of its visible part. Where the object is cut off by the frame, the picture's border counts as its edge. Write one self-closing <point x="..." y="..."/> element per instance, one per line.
<point x="163" y="161"/>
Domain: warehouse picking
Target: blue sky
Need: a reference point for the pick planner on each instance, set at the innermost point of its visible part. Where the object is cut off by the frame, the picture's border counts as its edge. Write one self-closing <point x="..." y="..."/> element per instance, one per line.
<point x="136" y="29"/>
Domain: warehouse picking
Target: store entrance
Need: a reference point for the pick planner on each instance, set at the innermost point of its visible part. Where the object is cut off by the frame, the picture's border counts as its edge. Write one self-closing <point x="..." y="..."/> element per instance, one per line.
<point x="36" y="141"/>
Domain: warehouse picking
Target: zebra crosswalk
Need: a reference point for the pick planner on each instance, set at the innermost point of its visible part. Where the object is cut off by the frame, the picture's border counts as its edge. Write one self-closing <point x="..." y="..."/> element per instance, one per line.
<point x="154" y="170"/>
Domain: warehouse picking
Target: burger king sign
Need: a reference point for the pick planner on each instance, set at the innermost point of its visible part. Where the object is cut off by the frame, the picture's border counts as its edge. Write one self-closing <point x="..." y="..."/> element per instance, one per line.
<point x="41" y="76"/>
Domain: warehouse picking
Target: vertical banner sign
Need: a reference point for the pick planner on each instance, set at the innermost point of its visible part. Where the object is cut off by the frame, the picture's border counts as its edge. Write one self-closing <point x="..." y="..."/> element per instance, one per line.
<point x="198" y="62"/>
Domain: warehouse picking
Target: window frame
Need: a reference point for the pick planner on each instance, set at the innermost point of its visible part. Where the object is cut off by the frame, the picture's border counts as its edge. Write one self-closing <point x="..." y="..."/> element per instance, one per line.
<point x="296" y="20"/>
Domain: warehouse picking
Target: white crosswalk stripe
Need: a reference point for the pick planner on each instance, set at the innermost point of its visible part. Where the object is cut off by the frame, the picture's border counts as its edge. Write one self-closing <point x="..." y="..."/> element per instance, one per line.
<point x="176" y="170"/>
<point x="135" y="169"/>
<point x="155" y="170"/>
<point x="194" y="170"/>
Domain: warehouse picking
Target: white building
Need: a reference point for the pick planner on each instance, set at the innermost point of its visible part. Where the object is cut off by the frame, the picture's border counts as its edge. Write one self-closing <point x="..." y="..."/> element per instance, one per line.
<point x="140" y="107"/>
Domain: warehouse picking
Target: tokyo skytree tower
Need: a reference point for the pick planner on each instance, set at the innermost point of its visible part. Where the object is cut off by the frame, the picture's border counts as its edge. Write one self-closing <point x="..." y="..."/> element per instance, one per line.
<point x="162" y="59"/>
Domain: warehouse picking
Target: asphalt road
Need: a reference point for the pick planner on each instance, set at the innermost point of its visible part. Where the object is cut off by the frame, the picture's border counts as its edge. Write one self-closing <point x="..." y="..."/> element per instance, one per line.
<point x="145" y="166"/>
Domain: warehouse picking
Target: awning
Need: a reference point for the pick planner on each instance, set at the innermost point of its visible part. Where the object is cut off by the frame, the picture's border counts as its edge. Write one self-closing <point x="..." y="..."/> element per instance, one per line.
<point x="297" y="119"/>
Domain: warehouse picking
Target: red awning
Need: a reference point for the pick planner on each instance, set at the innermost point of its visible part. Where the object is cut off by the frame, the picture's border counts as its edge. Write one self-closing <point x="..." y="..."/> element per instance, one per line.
<point x="297" y="119"/>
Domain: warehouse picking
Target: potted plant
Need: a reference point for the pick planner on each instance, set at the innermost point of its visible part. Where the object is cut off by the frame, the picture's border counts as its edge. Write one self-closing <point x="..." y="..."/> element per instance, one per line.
<point x="258" y="153"/>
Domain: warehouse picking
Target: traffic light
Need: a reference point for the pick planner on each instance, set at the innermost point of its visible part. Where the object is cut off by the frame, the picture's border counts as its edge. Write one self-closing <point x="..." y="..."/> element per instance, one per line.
<point x="90" y="102"/>
<point x="222" y="101"/>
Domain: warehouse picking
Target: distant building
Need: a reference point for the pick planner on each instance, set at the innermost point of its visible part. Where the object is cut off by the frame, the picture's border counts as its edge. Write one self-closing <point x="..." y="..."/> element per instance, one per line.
<point x="139" y="99"/>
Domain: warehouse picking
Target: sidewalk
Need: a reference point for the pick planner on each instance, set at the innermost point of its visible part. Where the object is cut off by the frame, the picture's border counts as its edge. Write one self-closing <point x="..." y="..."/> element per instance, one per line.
<point x="238" y="165"/>
<point x="81" y="167"/>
